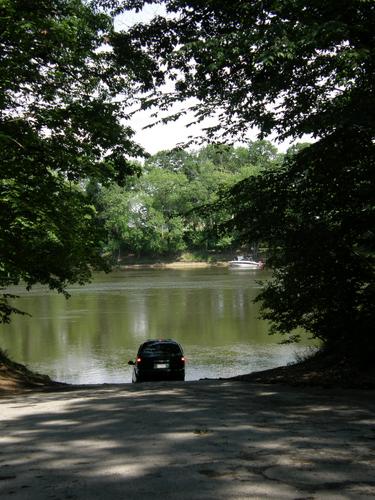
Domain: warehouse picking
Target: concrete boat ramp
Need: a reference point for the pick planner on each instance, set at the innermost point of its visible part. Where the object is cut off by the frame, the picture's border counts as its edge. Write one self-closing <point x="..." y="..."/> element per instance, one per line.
<point x="192" y="440"/>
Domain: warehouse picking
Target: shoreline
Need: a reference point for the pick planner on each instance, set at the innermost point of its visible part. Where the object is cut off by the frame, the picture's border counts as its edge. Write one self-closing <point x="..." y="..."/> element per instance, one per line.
<point x="171" y="265"/>
<point x="317" y="371"/>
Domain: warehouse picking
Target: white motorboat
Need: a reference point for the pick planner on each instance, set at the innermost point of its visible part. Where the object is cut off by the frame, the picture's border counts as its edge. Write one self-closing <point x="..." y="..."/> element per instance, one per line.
<point x="242" y="262"/>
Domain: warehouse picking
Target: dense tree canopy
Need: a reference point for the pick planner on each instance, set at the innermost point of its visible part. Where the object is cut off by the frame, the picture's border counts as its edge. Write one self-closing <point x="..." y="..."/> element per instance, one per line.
<point x="59" y="126"/>
<point x="317" y="217"/>
<point x="167" y="209"/>
<point x="289" y="67"/>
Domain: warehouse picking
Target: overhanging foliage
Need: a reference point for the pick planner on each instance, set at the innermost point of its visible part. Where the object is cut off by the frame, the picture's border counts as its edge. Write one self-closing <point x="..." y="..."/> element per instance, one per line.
<point x="59" y="126"/>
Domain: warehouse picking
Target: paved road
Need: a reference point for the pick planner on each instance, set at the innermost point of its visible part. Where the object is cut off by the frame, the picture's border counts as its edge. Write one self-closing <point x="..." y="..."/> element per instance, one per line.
<point x="194" y="440"/>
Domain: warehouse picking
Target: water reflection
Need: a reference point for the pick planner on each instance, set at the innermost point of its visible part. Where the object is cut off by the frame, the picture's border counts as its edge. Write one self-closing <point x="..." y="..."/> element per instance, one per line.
<point x="90" y="337"/>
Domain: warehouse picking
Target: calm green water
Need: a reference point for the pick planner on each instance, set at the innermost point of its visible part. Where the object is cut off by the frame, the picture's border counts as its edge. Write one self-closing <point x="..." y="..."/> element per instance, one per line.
<point x="90" y="337"/>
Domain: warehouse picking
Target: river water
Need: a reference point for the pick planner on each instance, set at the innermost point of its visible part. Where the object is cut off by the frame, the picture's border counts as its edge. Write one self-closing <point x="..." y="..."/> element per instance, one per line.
<point x="90" y="337"/>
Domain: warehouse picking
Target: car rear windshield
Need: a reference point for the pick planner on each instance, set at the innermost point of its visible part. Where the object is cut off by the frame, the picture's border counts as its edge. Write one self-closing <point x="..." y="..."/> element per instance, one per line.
<point x="152" y="349"/>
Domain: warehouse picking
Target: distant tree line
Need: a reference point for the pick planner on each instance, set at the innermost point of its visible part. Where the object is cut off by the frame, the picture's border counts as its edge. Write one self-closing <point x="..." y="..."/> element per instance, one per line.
<point x="171" y="207"/>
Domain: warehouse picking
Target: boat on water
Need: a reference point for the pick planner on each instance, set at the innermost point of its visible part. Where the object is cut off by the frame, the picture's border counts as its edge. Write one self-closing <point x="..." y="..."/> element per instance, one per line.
<point x="242" y="262"/>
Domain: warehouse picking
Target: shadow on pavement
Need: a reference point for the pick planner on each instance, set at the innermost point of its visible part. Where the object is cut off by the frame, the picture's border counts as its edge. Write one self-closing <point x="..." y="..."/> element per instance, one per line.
<point x="193" y="440"/>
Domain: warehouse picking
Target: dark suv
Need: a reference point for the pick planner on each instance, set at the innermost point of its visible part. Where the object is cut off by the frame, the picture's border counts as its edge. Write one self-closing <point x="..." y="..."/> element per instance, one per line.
<point x="159" y="360"/>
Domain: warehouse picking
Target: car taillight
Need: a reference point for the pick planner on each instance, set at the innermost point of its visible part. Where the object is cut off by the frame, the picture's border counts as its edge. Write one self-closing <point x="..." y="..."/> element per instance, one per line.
<point x="139" y="360"/>
<point x="183" y="359"/>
